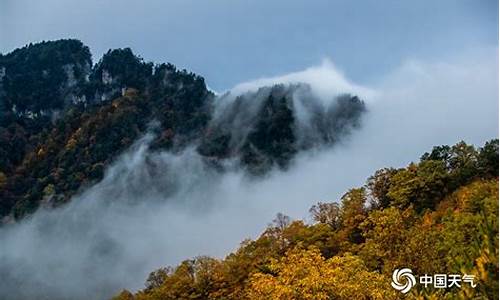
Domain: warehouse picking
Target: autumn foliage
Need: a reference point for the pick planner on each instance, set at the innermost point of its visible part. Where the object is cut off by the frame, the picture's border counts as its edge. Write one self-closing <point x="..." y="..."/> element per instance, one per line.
<point x="439" y="215"/>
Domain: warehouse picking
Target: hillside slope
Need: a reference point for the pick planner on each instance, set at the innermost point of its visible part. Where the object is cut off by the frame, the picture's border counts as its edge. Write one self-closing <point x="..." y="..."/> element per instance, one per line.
<point x="63" y="120"/>
<point x="439" y="215"/>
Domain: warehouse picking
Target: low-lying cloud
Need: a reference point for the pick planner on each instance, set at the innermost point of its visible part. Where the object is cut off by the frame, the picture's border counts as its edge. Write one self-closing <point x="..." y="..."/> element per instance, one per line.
<point x="325" y="80"/>
<point x="114" y="233"/>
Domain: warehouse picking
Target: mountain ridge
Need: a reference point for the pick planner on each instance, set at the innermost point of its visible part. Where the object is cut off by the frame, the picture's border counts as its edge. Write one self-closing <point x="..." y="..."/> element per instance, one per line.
<point x="70" y="119"/>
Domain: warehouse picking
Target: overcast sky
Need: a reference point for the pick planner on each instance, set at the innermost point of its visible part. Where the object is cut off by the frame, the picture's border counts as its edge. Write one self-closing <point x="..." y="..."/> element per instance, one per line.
<point x="229" y="41"/>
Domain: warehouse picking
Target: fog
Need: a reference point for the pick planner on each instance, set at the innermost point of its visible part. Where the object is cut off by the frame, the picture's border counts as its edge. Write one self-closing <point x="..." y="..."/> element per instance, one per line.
<point x="114" y="233"/>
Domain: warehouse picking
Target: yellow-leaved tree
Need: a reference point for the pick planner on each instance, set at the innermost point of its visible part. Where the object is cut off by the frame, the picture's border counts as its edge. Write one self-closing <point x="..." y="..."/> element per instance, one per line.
<point x="306" y="274"/>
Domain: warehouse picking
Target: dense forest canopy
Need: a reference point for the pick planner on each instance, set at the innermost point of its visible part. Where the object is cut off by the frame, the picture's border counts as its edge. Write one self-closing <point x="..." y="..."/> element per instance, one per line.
<point x="63" y="120"/>
<point x="439" y="215"/>
<point x="42" y="77"/>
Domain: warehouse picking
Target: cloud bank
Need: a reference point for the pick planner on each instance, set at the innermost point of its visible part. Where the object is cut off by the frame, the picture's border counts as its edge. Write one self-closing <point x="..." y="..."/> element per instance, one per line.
<point x="158" y="208"/>
<point x="325" y="80"/>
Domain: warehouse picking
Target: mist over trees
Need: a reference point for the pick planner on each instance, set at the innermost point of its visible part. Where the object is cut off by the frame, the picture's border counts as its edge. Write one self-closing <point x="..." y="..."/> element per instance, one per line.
<point x="64" y="120"/>
<point x="437" y="215"/>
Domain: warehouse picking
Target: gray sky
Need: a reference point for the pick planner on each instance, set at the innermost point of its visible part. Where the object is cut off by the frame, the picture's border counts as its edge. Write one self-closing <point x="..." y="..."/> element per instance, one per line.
<point x="230" y="41"/>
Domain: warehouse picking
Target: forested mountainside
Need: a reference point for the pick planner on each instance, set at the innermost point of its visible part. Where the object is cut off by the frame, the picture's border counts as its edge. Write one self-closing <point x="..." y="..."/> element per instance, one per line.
<point x="438" y="215"/>
<point x="64" y="119"/>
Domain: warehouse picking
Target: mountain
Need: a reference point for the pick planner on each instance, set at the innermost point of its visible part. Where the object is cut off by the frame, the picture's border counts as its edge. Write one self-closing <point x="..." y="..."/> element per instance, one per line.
<point x="64" y="119"/>
<point x="436" y="216"/>
<point x="263" y="128"/>
<point x="38" y="79"/>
